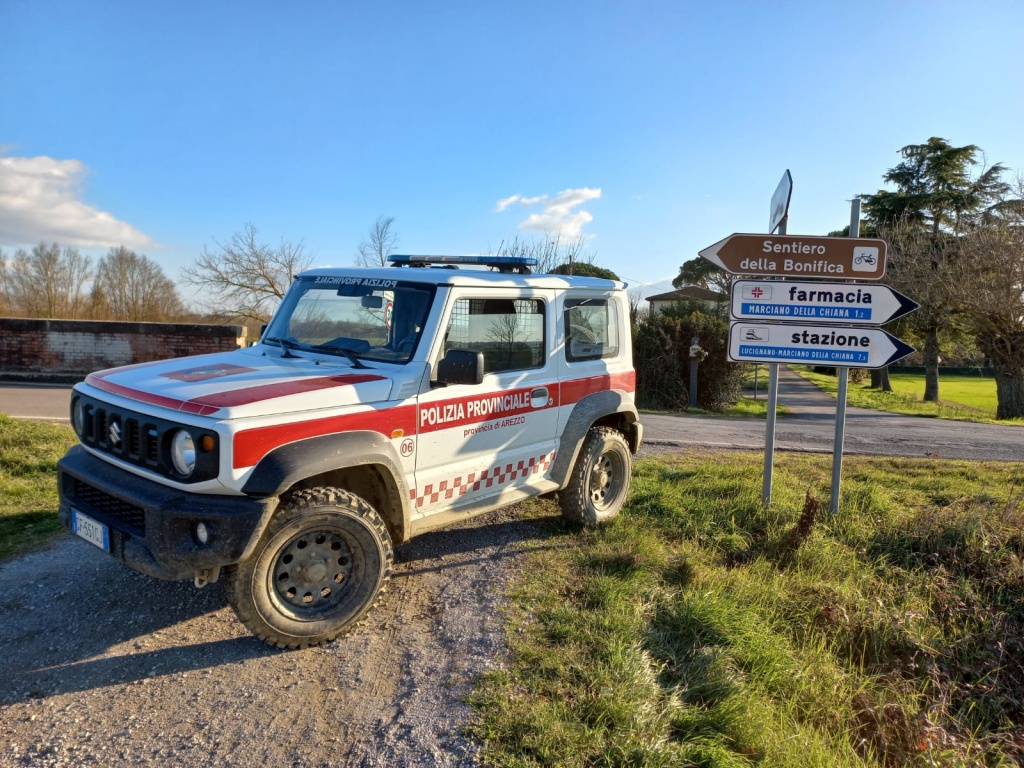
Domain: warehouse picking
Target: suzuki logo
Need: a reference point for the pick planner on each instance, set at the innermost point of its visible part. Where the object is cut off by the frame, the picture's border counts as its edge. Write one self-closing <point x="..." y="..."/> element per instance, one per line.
<point x="115" y="433"/>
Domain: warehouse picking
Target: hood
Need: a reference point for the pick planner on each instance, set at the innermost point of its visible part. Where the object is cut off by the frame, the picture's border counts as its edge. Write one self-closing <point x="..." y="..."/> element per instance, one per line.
<point x="231" y="385"/>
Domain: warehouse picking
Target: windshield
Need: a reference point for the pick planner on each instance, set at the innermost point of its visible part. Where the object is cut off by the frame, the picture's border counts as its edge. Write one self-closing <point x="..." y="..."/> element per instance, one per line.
<point x="354" y="317"/>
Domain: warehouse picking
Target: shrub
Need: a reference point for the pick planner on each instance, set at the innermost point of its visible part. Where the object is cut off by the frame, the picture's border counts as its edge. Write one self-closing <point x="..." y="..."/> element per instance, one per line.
<point x="661" y="356"/>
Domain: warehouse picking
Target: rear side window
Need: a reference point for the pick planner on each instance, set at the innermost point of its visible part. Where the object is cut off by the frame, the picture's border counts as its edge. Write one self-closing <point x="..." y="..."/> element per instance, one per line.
<point x="510" y="332"/>
<point x="591" y="329"/>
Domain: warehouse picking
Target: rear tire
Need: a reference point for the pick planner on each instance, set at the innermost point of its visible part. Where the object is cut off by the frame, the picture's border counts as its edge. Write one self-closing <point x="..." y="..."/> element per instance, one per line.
<point x="318" y="568"/>
<point x="600" y="480"/>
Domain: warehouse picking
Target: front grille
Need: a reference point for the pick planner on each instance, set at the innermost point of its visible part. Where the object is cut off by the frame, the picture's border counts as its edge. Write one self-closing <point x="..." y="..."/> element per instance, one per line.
<point x="129" y="515"/>
<point x="140" y="439"/>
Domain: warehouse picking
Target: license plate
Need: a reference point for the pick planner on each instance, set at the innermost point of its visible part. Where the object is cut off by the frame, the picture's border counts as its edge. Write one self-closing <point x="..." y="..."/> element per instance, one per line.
<point x="92" y="531"/>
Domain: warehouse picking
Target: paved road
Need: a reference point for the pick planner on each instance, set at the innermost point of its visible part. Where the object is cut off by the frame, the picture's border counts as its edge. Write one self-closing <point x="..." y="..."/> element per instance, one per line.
<point x="49" y="402"/>
<point x="810" y="426"/>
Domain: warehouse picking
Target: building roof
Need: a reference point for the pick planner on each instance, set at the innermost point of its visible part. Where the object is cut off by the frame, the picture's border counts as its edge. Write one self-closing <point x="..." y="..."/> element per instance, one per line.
<point x="690" y="293"/>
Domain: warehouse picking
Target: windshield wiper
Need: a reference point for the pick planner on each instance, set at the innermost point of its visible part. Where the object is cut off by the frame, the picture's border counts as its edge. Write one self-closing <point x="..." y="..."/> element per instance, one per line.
<point x="349" y="353"/>
<point x="286" y="344"/>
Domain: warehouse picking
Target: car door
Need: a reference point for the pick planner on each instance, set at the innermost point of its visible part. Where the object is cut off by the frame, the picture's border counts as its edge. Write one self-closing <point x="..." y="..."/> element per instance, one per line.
<point x="490" y="443"/>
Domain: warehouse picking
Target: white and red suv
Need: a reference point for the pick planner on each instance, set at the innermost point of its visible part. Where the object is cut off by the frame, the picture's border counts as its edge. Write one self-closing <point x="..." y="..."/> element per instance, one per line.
<point x="378" y="404"/>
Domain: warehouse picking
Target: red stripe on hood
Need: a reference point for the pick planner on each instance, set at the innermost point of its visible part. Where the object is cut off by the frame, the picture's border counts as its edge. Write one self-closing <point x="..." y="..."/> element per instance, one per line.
<point x="207" y="404"/>
<point x="248" y="395"/>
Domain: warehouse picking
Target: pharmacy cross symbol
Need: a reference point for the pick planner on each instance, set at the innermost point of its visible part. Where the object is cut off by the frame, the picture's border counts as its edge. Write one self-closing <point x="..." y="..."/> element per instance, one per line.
<point x="757" y="293"/>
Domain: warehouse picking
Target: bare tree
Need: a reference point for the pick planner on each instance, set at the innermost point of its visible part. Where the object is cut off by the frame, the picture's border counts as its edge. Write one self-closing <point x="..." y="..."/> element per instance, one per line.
<point x="47" y="282"/>
<point x="504" y="331"/>
<point x="550" y="252"/>
<point x="985" y="284"/>
<point x="919" y="265"/>
<point x="380" y="243"/>
<point x="636" y="314"/>
<point x="132" y="287"/>
<point x="245" y="277"/>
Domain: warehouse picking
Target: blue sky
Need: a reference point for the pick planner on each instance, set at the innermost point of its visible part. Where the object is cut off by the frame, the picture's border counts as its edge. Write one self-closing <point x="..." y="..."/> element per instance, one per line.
<point x="653" y="129"/>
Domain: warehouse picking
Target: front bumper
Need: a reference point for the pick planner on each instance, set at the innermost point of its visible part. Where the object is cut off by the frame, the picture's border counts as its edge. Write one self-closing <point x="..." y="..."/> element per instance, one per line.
<point x="152" y="525"/>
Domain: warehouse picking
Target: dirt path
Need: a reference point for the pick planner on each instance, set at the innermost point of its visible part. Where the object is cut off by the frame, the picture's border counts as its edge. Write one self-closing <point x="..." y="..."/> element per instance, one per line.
<point x="102" y="666"/>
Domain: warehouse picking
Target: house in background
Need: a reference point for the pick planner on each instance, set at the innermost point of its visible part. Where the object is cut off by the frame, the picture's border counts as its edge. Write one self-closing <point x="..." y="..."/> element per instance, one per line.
<point x="712" y="301"/>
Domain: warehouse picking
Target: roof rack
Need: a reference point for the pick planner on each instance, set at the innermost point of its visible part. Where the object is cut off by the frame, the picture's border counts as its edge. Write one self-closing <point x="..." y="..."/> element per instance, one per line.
<point x="508" y="264"/>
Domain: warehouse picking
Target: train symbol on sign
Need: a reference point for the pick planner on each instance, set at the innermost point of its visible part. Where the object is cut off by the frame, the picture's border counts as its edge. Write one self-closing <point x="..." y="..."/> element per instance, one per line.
<point x="755" y="334"/>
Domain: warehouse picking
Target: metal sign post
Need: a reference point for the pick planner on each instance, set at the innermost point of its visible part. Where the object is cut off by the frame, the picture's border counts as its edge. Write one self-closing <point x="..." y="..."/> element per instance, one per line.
<point x="844" y="381"/>
<point x="778" y="219"/>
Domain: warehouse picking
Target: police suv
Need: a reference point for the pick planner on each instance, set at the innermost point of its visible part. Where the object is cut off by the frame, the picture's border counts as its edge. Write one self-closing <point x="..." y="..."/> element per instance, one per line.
<point x="378" y="404"/>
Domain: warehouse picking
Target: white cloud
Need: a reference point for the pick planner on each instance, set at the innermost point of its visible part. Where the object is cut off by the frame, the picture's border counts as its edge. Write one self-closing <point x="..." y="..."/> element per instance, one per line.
<point x="39" y="201"/>
<point x="506" y="202"/>
<point x="558" y="215"/>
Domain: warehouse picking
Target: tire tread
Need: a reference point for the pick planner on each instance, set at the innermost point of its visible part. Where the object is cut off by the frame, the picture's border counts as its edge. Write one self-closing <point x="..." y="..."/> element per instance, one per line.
<point x="299" y="503"/>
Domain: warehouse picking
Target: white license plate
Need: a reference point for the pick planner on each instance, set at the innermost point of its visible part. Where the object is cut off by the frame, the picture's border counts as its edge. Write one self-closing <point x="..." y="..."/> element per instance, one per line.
<point x="92" y="531"/>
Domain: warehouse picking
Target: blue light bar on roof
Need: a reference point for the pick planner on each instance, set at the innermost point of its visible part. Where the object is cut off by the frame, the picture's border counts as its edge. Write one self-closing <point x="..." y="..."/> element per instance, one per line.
<point x="501" y="263"/>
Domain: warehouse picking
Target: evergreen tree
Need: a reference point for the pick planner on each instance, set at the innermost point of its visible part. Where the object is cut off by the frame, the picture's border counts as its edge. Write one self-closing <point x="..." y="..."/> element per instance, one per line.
<point x="940" y="192"/>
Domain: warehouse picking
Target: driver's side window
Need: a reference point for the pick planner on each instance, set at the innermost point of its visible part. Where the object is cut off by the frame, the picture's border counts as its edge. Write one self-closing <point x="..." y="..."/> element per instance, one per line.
<point x="508" y="331"/>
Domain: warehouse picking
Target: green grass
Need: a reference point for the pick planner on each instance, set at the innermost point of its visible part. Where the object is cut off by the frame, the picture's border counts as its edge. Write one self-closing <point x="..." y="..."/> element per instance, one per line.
<point x="749" y="408"/>
<point x="744" y="408"/>
<point x="28" y="482"/>
<point x="976" y="392"/>
<point x="962" y="398"/>
<point x="699" y="629"/>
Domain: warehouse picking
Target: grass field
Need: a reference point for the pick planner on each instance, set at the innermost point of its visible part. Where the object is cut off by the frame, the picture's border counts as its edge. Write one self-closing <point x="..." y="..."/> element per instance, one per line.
<point x="701" y="630"/>
<point x="962" y="398"/>
<point x="975" y="392"/>
<point x="28" y="482"/>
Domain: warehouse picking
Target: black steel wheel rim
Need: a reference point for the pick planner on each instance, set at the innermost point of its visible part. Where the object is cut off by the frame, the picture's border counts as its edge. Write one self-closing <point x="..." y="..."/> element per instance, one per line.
<point x="314" y="572"/>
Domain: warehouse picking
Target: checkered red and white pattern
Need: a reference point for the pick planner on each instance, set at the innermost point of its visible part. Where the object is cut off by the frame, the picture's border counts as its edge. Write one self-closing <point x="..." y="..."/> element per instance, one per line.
<point x="499" y="475"/>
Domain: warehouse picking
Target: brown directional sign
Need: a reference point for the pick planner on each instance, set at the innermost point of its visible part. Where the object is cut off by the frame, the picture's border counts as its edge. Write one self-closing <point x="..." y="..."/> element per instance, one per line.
<point x="846" y="258"/>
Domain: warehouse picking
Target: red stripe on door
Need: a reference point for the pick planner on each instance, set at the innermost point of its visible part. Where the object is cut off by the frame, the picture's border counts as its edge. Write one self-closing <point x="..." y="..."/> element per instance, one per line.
<point x="576" y="389"/>
<point x="476" y="409"/>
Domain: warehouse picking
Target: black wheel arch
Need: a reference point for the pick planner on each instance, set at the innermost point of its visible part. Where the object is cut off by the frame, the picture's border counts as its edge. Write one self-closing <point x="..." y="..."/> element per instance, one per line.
<point x="362" y="462"/>
<point x="599" y="409"/>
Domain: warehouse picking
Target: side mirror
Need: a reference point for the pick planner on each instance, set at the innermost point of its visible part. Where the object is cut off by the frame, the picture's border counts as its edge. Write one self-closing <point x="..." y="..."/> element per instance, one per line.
<point x="461" y="366"/>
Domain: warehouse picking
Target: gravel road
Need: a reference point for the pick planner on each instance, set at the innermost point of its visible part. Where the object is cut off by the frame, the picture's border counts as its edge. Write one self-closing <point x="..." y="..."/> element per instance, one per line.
<point x="103" y="666"/>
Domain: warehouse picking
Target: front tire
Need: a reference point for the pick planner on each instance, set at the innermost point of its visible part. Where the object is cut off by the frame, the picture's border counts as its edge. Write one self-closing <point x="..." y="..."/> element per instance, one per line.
<point x="600" y="480"/>
<point x="318" y="568"/>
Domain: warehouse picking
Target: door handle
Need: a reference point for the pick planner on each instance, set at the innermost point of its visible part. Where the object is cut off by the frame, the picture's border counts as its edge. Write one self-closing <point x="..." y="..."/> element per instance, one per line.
<point x="539" y="397"/>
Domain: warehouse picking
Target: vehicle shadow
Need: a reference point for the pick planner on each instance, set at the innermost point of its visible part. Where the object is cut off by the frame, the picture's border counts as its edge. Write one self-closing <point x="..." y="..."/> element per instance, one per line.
<point x="73" y="619"/>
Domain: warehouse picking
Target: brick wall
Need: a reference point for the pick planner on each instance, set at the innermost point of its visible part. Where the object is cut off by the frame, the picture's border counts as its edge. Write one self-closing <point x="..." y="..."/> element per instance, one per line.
<point x="57" y="349"/>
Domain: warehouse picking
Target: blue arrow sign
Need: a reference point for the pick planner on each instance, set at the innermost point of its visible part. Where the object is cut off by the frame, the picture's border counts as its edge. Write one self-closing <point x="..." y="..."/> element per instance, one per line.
<point x="856" y="303"/>
<point x="814" y="345"/>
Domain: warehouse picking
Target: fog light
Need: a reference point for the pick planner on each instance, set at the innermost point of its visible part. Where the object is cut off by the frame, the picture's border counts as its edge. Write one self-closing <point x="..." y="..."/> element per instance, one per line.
<point x="202" y="533"/>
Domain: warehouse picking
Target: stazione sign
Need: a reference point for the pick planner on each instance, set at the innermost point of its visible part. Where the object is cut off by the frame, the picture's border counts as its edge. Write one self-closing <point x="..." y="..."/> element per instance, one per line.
<point x="846" y="258"/>
<point x="814" y="345"/>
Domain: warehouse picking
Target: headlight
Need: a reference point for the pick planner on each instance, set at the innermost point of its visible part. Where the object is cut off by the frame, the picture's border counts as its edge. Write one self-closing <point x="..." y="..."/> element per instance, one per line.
<point x="78" y="416"/>
<point x="183" y="452"/>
